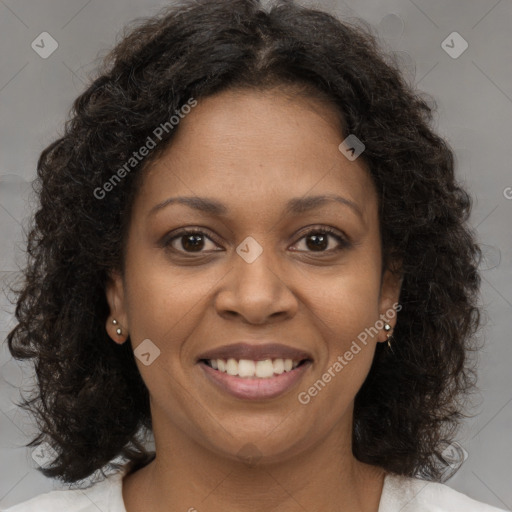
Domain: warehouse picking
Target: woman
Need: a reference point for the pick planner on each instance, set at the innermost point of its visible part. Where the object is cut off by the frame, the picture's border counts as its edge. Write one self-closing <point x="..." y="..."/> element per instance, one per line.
<point x="252" y="245"/>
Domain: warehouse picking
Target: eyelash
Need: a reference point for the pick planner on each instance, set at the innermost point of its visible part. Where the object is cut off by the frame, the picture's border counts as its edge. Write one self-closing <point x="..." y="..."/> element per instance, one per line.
<point x="344" y="243"/>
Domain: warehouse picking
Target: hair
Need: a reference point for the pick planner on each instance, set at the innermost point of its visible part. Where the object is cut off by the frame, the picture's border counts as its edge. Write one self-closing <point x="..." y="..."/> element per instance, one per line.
<point x="91" y="403"/>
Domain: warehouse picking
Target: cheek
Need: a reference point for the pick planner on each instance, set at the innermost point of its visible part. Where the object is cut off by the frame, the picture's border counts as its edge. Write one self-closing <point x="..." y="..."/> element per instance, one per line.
<point x="347" y="299"/>
<point x="345" y="313"/>
<point x="161" y="298"/>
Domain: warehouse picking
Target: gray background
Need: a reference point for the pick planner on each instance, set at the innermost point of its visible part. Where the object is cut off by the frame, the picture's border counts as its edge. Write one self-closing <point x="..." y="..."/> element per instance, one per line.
<point x="474" y="97"/>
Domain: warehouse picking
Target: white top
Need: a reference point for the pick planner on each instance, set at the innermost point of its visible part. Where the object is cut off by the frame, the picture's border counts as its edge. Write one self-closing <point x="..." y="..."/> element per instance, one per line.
<point x="399" y="494"/>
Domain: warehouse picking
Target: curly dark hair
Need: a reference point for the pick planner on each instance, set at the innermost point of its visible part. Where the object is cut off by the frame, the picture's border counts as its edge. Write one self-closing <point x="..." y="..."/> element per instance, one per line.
<point x="91" y="403"/>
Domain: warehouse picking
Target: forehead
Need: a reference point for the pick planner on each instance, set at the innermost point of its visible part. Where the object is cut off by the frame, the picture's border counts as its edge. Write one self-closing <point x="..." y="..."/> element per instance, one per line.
<point x="254" y="149"/>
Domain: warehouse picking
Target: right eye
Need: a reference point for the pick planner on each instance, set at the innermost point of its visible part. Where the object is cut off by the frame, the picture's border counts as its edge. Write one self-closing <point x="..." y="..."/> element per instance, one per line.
<point x="191" y="240"/>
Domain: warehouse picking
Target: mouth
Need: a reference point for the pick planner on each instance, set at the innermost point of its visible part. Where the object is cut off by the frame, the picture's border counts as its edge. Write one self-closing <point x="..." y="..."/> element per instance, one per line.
<point x="254" y="380"/>
<point x="252" y="371"/>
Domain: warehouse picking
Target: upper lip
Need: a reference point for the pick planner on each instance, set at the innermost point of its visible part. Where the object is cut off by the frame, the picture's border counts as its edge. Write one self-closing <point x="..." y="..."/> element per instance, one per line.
<point x="253" y="352"/>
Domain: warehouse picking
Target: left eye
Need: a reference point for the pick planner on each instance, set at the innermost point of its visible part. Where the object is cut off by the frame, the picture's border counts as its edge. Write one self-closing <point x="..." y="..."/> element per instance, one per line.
<point x="319" y="240"/>
<point x="193" y="240"/>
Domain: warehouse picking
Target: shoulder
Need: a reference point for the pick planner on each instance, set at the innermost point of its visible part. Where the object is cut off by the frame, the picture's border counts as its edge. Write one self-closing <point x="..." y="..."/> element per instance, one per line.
<point x="69" y="500"/>
<point x="104" y="495"/>
<point x="416" y="495"/>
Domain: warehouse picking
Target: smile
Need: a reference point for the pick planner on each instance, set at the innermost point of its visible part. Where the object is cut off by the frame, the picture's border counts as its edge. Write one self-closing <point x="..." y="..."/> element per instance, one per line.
<point x="253" y="380"/>
<point x="248" y="368"/>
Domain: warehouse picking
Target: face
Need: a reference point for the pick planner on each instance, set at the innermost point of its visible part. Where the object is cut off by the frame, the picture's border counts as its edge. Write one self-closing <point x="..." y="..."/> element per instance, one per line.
<point x="259" y="269"/>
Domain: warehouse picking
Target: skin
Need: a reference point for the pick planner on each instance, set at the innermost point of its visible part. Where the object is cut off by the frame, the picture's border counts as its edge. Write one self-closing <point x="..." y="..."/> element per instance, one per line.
<point x="253" y="151"/>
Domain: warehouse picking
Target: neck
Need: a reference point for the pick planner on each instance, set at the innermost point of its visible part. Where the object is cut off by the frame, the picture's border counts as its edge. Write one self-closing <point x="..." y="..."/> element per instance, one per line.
<point x="188" y="477"/>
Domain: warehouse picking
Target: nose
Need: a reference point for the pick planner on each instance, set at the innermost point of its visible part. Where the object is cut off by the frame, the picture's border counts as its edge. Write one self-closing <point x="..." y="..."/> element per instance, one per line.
<point x="256" y="292"/>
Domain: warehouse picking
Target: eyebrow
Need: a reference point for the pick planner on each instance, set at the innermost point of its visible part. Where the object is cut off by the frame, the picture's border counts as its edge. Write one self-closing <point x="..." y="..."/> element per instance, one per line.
<point x="296" y="205"/>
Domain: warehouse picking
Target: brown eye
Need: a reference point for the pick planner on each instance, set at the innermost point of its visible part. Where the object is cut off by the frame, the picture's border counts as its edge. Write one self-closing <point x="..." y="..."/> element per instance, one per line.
<point x="188" y="241"/>
<point x="192" y="242"/>
<point x="317" y="240"/>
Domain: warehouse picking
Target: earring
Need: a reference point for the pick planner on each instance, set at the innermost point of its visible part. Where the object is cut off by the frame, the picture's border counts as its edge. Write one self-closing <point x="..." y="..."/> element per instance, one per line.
<point x="387" y="328"/>
<point x="118" y="330"/>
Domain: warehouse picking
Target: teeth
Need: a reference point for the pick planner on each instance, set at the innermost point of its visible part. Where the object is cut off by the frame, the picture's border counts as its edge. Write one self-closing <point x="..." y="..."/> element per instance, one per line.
<point x="247" y="368"/>
<point x="264" y="369"/>
<point x="278" y="366"/>
<point x="232" y="367"/>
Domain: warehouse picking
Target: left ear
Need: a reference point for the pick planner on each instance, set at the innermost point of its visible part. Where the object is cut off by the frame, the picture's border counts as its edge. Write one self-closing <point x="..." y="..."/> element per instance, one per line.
<point x="389" y="296"/>
<point x="116" y="300"/>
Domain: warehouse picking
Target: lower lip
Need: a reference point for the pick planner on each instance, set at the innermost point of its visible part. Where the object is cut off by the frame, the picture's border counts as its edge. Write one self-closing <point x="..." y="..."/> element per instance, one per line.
<point x="254" y="388"/>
